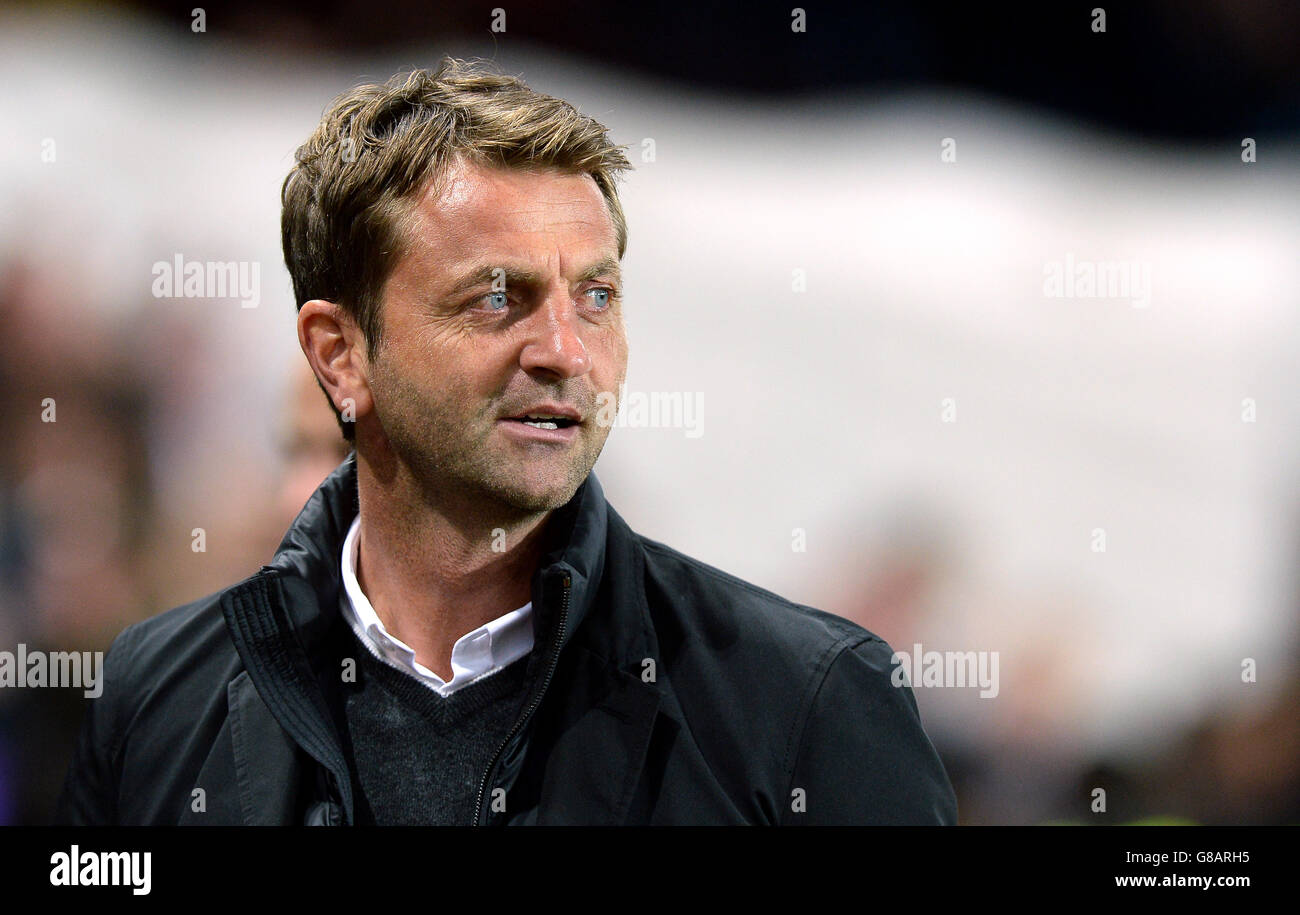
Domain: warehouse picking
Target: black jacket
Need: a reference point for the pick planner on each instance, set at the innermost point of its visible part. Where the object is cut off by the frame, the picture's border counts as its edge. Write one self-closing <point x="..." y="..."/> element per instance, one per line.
<point x="669" y="692"/>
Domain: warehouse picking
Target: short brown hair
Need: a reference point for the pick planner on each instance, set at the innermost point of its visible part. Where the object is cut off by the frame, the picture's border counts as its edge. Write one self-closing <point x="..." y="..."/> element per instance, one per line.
<point x="378" y="145"/>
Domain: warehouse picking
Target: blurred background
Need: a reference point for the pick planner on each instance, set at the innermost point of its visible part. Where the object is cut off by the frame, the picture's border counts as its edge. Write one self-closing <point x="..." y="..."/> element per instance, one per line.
<point x="842" y="243"/>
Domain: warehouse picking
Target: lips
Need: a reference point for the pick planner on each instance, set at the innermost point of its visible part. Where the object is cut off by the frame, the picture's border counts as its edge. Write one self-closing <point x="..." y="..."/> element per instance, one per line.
<point x="547" y="416"/>
<point x="541" y="430"/>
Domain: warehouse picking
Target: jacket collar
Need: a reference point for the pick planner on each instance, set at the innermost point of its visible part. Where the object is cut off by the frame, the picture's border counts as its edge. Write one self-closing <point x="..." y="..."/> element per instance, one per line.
<point x="311" y="551"/>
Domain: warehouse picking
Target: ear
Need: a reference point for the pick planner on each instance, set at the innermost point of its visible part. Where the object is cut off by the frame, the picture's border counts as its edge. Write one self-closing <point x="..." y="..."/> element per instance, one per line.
<point x="336" y="350"/>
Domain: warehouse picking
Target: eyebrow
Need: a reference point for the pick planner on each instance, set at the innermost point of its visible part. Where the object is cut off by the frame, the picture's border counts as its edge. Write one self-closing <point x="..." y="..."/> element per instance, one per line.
<point x="482" y="276"/>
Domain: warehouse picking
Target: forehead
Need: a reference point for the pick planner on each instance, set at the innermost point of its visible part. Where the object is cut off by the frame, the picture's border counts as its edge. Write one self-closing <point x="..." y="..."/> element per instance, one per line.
<point x="482" y="212"/>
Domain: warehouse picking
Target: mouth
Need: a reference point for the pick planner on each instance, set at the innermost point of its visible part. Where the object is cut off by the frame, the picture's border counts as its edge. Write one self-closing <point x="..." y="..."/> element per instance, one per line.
<point x="558" y="426"/>
<point x="545" y="421"/>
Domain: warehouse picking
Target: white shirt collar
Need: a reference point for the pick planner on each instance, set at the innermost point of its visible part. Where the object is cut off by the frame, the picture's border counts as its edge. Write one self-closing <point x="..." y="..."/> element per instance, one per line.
<point x="476" y="654"/>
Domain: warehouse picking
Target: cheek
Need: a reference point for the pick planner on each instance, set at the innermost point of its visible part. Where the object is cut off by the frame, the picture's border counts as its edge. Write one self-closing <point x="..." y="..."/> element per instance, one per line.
<point x="610" y="349"/>
<point x="403" y="383"/>
<point x="622" y="362"/>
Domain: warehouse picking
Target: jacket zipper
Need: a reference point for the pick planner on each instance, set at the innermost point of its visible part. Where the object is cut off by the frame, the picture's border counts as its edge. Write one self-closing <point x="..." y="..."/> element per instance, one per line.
<point x="532" y="707"/>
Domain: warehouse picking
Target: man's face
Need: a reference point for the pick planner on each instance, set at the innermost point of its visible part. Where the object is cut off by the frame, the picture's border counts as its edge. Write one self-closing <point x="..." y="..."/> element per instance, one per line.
<point x="507" y="301"/>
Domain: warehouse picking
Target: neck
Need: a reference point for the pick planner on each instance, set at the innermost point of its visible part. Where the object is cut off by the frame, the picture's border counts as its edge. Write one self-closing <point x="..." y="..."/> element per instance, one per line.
<point x="426" y="562"/>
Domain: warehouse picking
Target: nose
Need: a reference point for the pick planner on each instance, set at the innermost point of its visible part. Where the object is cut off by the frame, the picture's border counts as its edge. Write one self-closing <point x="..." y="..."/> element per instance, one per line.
<point x="554" y="346"/>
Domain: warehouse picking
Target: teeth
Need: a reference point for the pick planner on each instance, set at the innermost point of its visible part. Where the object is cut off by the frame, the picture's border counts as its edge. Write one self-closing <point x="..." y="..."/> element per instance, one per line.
<point x="541" y="425"/>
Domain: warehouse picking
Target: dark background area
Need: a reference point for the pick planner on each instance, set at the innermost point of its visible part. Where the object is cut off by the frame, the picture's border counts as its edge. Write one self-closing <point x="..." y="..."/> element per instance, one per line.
<point x="1196" y="70"/>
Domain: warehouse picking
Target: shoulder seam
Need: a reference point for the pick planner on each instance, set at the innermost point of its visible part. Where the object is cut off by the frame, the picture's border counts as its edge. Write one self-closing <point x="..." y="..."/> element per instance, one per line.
<point x="117" y="726"/>
<point x="818" y="679"/>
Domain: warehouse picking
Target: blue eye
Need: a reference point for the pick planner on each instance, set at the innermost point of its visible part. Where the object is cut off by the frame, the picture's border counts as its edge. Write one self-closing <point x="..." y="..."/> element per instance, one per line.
<point x="604" y="292"/>
<point x="503" y="302"/>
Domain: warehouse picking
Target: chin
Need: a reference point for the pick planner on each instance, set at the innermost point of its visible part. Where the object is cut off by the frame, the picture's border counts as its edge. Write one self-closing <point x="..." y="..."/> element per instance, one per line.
<point x="539" y="496"/>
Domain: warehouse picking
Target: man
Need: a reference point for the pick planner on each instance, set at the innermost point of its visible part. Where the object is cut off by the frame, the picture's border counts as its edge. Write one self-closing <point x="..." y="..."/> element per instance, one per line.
<point x="458" y="628"/>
